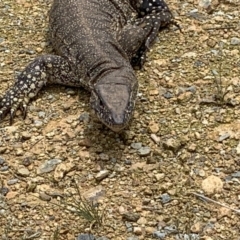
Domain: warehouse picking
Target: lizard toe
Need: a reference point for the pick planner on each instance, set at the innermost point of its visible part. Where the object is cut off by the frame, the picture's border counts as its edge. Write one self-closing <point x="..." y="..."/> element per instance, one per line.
<point x="23" y="107"/>
<point x="3" y="113"/>
<point x="11" y="102"/>
<point x="12" y="115"/>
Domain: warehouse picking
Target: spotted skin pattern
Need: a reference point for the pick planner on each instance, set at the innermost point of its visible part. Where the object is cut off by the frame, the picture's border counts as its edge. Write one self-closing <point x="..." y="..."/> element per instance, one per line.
<point x="96" y="42"/>
<point x="155" y="14"/>
<point x="47" y="68"/>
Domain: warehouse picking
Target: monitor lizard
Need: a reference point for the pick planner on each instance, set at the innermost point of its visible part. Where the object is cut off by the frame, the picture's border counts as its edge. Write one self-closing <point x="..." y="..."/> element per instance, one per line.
<point x="97" y="44"/>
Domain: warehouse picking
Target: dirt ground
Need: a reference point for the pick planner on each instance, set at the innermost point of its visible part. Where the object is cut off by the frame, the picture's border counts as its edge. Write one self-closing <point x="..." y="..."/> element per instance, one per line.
<point x="174" y="173"/>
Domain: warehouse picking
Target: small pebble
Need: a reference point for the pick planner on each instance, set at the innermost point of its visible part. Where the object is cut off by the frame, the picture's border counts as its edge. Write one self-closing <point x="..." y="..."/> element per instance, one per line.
<point x="43" y="196"/>
<point x="26" y="162"/>
<point x="201" y="173"/>
<point x="197" y="227"/>
<point x="235" y="41"/>
<point x="4" y="168"/>
<point x="142" y="221"/>
<point x="128" y="162"/>
<point x="39" y="50"/>
<point x="146" y="201"/>
<point x="153" y="127"/>
<point x="2" y="161"/>
<point x="131" y="216"/>
<point x="191" y="236"/>
<point x="66" y="106"/>
<point x="168" y="95"/>
<point x="159" y="235"/>
<point x="223" y="137"/>
<point x="151" y="160"/>
<point x="171" y="229"/>
<point x="3" y="150"/>
<point x="41" y="114"/>
<point x="85" y="237"/>
<point x="236" y="174"/>
<point x="198" y="63"/>
<point x="159" y="176"/>
<point x="192" y="147"/>
<point x="48" y="166"/>
<point x="224" y="212"/>
<point x="144" y="151"/>
<point x="103" y="157"/>
<point x="185" y="97"/>
<point x="191" y="89"/>
<point x="165" y="198"/>
<point x="238" y="149"/>
<point x="38" y="123"/>
<point x="102" y="174"/>
<point x="150" y="230"/>
<point x="19" y="152"/>
<point x="70" y="92"/>
<point x="84" y="117"/>
<point x="155" y="138"/>
<point x="136" y="145"/>
<point x="26" y="135"/>
<point x="137" y="230"/>
<point x="113" y="160"/>
<point x="172" y="144"/>
<point x="133" y="238"/>
<point x="12" y="181"/>
<point x="129" y="226"/>
<point x="102" y="238"/>
<point x="50" y="97"/>
<point x="24" y="172"/>
<point x="4" y="191"/>
<point x="204" y="3"/>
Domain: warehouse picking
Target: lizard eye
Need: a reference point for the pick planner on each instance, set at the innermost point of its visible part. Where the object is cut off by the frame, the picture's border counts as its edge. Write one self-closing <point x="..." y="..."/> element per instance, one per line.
<point x="101" y="103"/>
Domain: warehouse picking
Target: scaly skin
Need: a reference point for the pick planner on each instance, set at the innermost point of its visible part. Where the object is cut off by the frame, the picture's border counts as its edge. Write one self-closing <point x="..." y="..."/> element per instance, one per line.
<point x="96" y="42"/>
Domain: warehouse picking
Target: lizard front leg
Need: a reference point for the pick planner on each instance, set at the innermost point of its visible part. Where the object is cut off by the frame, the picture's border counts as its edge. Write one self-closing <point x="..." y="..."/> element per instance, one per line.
<point x="155" y="11"/>
<point x="44" y="69"/>
<point x="132" y="39"/>
<point x="153" y="15"/>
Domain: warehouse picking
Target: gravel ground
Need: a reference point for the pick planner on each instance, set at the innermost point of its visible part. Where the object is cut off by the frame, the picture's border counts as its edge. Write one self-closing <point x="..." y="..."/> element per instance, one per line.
<point x="173" y="174"/>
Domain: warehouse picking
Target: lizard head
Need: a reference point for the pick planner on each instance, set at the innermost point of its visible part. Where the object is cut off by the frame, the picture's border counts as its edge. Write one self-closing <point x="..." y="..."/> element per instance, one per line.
<point x="113" y="103"/>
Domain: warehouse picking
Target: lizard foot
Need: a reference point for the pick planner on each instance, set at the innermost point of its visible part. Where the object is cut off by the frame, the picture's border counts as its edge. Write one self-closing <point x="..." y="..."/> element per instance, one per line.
<point x="11" y="102"/>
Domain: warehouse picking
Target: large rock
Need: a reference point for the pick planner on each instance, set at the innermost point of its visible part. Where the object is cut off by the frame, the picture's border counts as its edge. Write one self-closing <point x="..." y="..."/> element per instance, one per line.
<point x="212" y="184"/>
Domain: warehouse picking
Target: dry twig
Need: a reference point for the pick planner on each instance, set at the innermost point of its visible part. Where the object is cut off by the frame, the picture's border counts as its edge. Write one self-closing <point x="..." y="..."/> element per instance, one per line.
<point x="213" y="201"/>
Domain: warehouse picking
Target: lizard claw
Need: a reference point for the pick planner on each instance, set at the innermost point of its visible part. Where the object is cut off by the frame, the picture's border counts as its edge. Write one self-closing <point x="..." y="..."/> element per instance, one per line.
<point x="23" y="108"/>
<point x="12" y="115"/>
<point x="11" y="102"/>
<point x="174" y="23"/>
